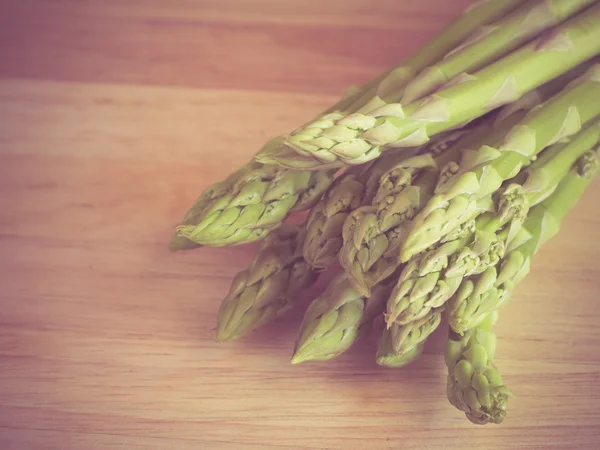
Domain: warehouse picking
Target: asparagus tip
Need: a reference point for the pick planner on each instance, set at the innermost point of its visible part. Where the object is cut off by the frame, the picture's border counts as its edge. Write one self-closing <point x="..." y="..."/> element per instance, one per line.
<point x="389" y="319"/>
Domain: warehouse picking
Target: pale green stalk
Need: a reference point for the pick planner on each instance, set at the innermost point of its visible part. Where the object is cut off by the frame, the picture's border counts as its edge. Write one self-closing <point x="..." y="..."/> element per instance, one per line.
<point x="326" y="219"/>
<point x="474" y="383"/>
<point x="255" y="205"/>
<point x="476" y="16"/>
<point x="362" y="136"/>
<point x="334" y="320"/>
<point x="490" y="42"/>
<point x="209" y="197"/>
<point x="482" y="173"/>
<point x="269" y="286"/>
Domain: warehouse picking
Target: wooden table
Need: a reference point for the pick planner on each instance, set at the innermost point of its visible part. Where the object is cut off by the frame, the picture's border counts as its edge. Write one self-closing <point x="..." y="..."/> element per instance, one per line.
<point x="114" y="115"/>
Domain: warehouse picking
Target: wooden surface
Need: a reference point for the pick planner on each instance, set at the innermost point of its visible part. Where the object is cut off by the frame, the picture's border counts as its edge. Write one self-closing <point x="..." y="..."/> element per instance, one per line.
<point x="114" y="115"/>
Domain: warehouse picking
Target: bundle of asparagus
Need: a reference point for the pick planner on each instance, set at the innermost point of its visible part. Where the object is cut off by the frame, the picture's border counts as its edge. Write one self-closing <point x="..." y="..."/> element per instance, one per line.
<point x="429" y="190"/>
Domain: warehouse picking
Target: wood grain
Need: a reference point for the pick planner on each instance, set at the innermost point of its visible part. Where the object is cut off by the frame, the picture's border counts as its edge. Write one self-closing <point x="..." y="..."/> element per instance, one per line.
<point x="114" y="115"/>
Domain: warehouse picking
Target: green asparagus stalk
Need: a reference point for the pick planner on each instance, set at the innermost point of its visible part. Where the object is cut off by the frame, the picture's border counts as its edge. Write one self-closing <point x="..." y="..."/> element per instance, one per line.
<point x="480" y="295"/>
<point x="255" y="205"/>
<point x="327" y="217"/>
<point x="482" y="173"/>
<point x="268" y="287"/>
<point x="474" y="383"/>
<point x="491" y="42"/>
<point x="423" y="286"/>
<point x="362" y="136"/>
<point x="334" y="320"/>
<point x="209" y="197"/>
<point x="476" y="16"/>
<point x="401" y="345"/>
<point x="388" y="358"/>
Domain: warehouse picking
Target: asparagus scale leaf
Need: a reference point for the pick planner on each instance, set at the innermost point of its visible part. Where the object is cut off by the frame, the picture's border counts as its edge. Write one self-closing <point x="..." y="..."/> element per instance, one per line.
<point x="399" y="345"/>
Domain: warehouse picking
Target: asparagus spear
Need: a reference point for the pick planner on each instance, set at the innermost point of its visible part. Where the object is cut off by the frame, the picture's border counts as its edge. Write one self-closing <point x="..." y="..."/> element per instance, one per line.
<point x="485" y="293"/>
<point x="483" y="173"/>
<point x="334" y="320"/>
<point x="362" y="136"/>
<point x="392" y="360"/>
<point x="476" y="16"/>
<point x="255" y="205"/>
<point x="492" y="41"/>
<point x="400" y="345"/>
<point x="268" y="287"/>
<point x="423" y="285"/>
<point x="206" y="200"/>
<point x="474" y="383"/>
<point x="372" y="234"/>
